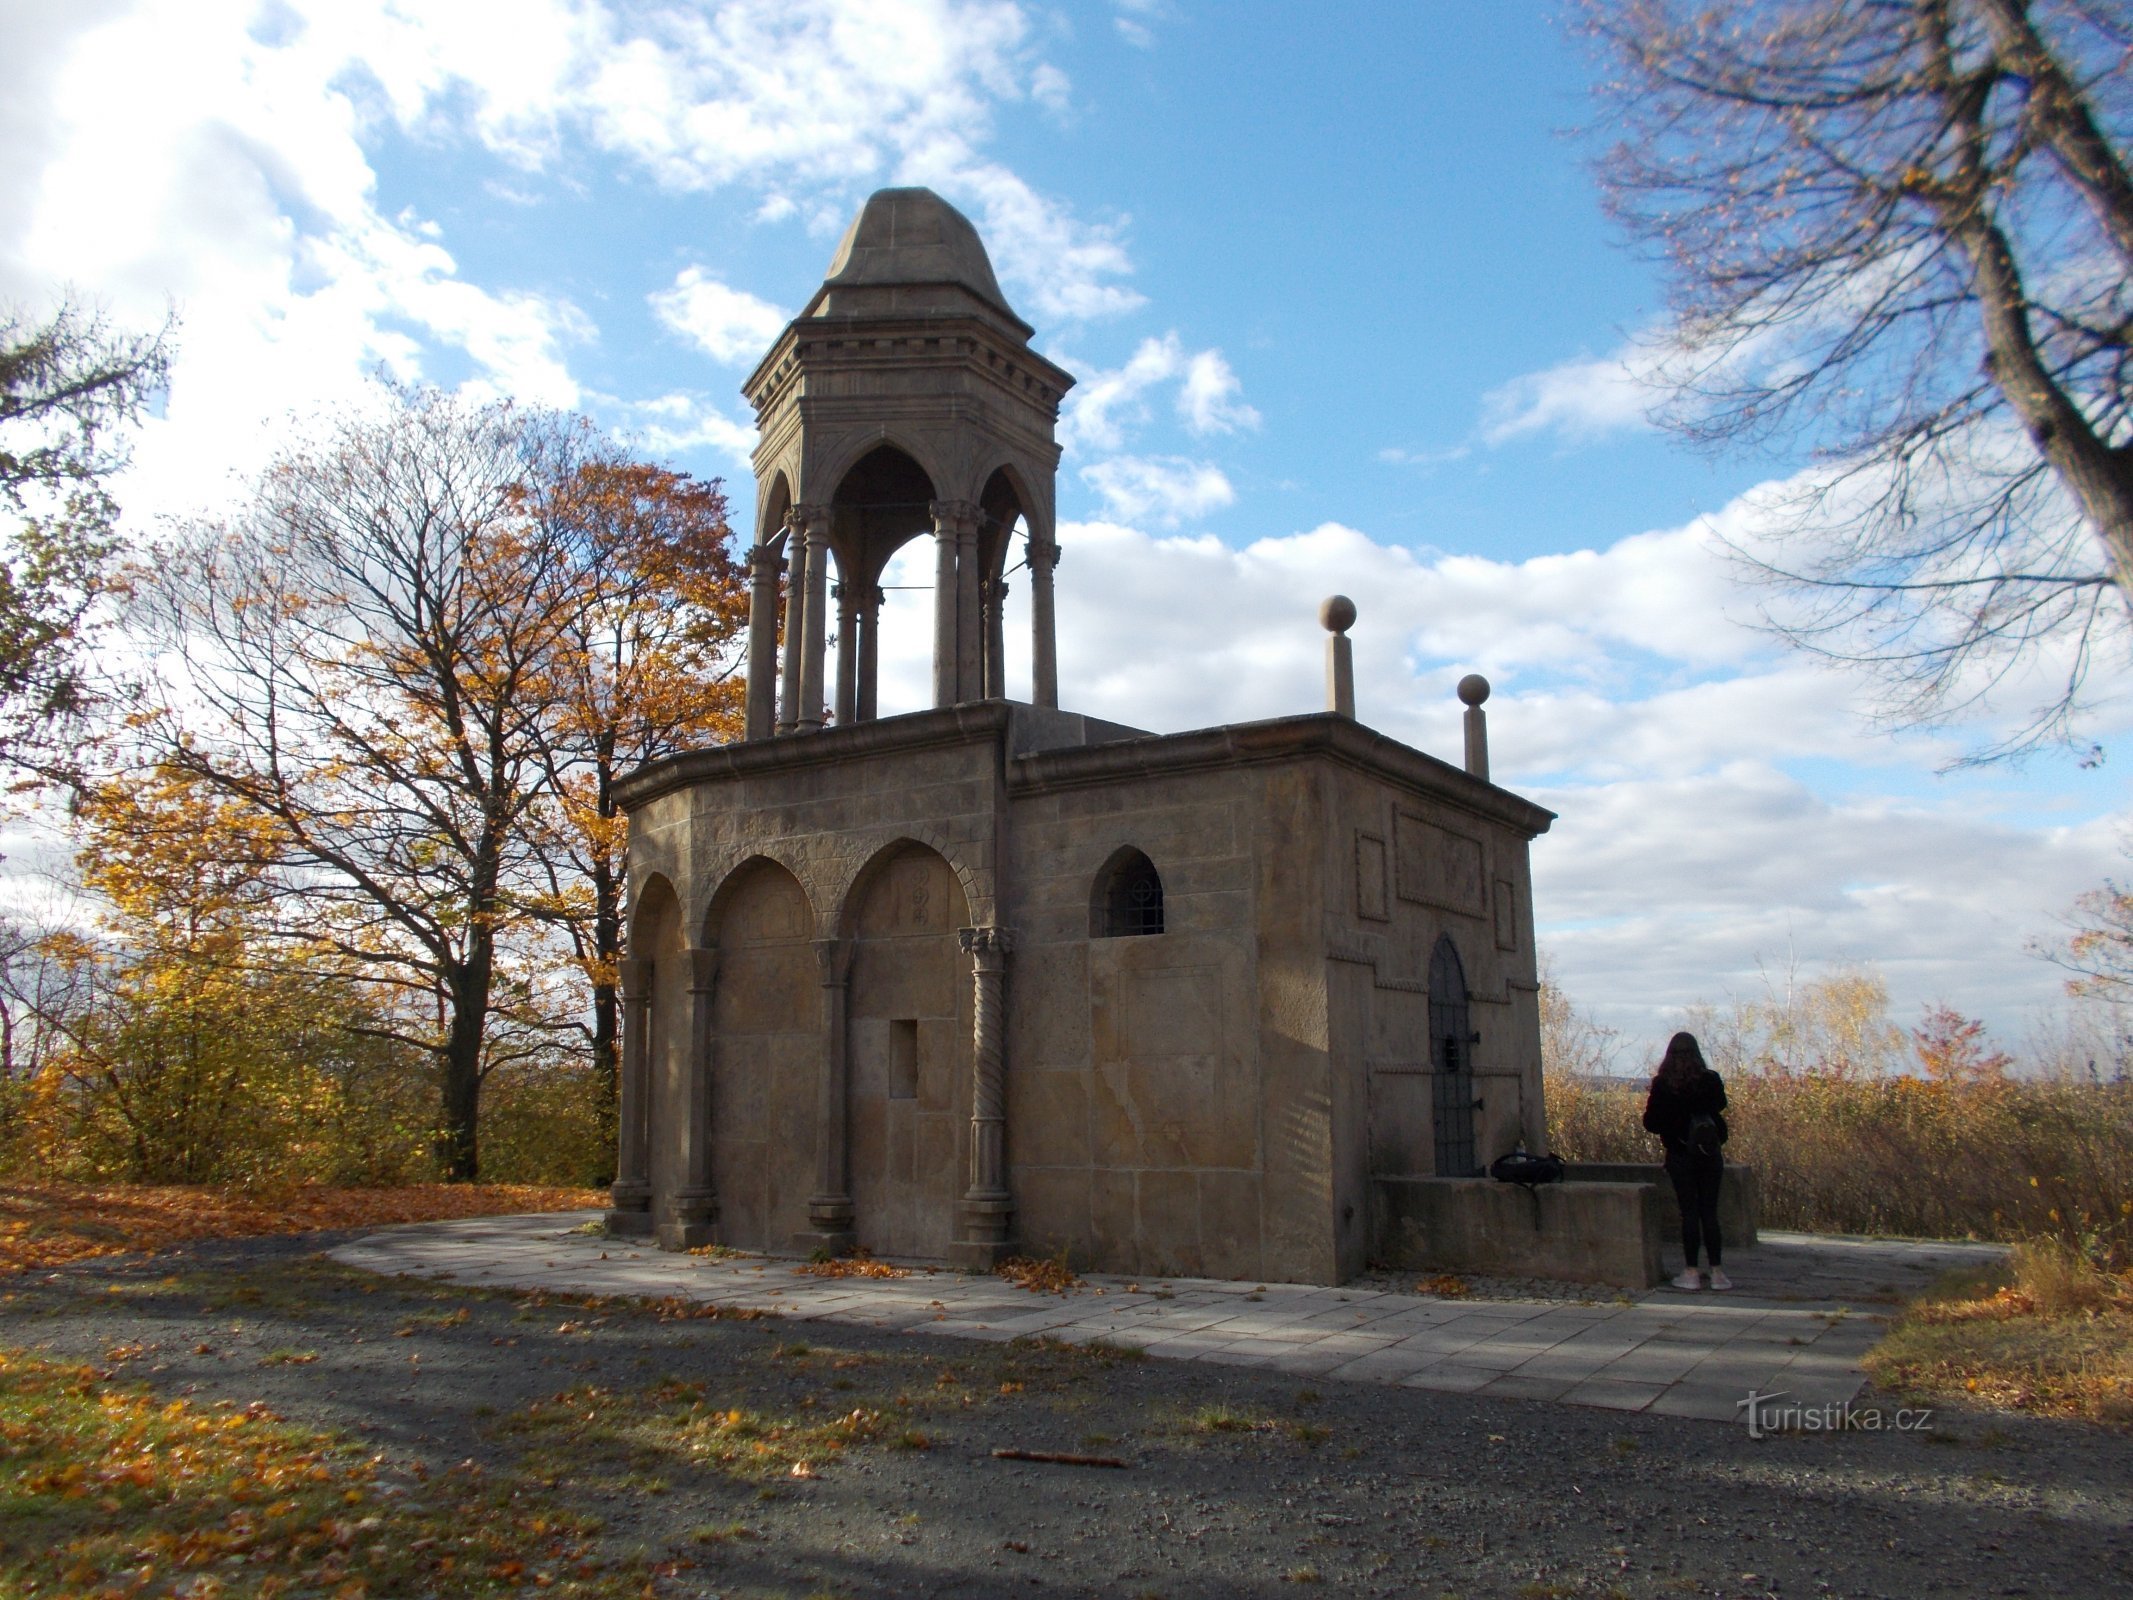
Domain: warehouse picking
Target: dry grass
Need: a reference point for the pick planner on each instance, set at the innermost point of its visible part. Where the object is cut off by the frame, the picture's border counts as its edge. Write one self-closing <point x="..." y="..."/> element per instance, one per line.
<point x="2051" y="1334"/>
<point x="1998" y="1158"/>
<point x="49" y="1224"/>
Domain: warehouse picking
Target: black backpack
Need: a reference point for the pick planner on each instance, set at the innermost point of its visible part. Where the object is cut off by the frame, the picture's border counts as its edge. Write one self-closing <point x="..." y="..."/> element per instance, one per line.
<point x="1703" y="1135"/>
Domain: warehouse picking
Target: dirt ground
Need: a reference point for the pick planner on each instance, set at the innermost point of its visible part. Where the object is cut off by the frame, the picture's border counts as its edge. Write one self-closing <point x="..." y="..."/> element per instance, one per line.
<point x="1233" y="1483"/>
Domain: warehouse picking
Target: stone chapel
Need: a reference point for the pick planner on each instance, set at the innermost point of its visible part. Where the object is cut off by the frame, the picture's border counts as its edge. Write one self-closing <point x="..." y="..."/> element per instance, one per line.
<point x="995" y="977"/>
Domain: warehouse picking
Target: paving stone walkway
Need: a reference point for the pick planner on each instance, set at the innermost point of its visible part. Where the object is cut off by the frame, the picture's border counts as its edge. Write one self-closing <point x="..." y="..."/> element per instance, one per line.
<point x="1808" y="1311"/>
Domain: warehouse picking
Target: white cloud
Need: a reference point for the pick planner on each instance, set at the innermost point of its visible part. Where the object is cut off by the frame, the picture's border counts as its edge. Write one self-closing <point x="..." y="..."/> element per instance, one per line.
<point x="683" y="420"/>
<point x="1050" y="87"/>
<point x="1105" y="406"/>
<point x="1581" y="399"/>
<point x="1209" y="398"/>
<point x="239" y="184"/>
<point x="1133" y="19"/>
<point x="730" y="325"/>
<point x="1166" y="490"/>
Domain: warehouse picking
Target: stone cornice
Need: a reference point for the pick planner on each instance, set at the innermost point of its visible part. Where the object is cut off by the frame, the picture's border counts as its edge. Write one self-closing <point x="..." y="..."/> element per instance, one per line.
<point x="1280" y="739"/>
<point x="857" y="341"/>
<point x="1325" y="734"/>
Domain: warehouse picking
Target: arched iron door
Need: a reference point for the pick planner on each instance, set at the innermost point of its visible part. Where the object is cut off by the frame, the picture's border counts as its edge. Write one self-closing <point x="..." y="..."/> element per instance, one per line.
<point x="1451" y="1058"/>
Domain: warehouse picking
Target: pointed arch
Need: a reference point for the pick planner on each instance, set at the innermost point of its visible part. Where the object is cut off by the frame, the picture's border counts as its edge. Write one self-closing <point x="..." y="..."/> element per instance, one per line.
<point x="772" y="506"/>
<point x="1126" y="896"/>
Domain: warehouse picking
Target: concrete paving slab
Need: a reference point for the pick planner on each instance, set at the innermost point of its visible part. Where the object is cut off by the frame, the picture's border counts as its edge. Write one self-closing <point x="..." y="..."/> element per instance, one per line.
<point x="1684" y="1355"/>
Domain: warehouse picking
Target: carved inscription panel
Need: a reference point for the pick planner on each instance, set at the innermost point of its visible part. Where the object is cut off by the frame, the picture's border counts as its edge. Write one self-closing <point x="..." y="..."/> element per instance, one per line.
<point x="1435" y="866"/>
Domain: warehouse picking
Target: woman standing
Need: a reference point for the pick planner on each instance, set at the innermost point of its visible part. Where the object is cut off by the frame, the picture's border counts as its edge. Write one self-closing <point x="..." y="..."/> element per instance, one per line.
<point x="1687" y="1110"/>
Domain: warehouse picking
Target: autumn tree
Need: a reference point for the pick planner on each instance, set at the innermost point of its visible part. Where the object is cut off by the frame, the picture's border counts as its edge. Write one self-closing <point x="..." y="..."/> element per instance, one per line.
<point x="1953" y="1048"/>
<point x="2098" y="947"/>
<point x="1832" y="1026"/>
<point x="69" y="387"/>
<point x="1573" y="1044"/>
<point x="356" y="660"/>
<point x="1903" y="230"/>
<point x="173" y="1043"/>
<point x="648" y="603"/>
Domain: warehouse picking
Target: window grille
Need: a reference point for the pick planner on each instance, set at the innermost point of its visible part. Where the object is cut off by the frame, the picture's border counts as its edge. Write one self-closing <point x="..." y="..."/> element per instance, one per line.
<point x="1132" y="901"/>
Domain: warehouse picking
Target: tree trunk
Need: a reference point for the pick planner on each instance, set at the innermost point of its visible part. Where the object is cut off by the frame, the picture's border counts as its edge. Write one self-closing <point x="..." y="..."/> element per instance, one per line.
<point x="458" y="1148"/>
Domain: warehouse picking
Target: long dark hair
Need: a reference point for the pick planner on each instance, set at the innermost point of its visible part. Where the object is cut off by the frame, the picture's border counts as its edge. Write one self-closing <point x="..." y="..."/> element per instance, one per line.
<point x="1683" y="1062"/>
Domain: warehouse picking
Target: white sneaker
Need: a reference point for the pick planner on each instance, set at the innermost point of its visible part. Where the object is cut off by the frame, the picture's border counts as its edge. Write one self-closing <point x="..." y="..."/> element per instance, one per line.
<point x="1690" y="1279"/>
<point x="1719" y="1280"/>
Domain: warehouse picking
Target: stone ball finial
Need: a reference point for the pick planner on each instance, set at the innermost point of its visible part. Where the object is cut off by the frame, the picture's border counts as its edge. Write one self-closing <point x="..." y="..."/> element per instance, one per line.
<point x="1336" y="613"/>
<point x="1473" y="689"/>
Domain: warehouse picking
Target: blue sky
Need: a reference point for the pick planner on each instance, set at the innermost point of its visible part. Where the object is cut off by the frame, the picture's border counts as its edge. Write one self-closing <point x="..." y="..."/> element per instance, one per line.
<point x="1346" y="315"/>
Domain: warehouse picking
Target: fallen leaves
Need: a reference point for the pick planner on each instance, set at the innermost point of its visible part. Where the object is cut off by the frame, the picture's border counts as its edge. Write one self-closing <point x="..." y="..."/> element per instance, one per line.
<point x="111" y="1489"/>
<point x="51" y="1224"/>
<point x="859" y="1264"/>
<point x="1039" y="1275"/>
<point x="1445" y="1286"/>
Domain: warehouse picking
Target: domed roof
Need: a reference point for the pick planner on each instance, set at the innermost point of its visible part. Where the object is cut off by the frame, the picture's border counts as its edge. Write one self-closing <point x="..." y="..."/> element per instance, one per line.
<point x="903" y="240"/>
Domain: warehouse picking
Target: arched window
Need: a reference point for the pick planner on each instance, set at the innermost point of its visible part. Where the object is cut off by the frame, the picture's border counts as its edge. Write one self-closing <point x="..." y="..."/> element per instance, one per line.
<point x="1128" y="898"/>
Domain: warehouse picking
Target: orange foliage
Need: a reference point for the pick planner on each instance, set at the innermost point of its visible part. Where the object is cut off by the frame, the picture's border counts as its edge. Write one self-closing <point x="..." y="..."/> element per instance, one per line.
<point x="1050" y="1275"/>
<point x="859" y="1264"/>
<point x="50" y="1224"/>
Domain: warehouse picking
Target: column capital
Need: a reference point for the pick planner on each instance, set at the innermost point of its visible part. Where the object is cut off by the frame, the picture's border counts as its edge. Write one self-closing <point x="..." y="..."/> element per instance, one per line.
<point x="811" y="519"/>
<point x="634" y="973"/>
<point x="703" y="970"/>
<point x="954" y="516"/>
<point x="835" y="958"/>
<point x="1043" y="555"/>
<point x="765" y="558"/>
<point x="987" y="947"/>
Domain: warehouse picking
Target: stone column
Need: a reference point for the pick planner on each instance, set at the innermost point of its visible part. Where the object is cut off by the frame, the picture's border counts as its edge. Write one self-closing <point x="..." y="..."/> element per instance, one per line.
<point x="945" y="591"/>
<point x="1044" y="642"/>
<point x="829" y="1208"/>
<point x="996" y="639"/>
<point x="869" y="651"/>
<point x="814" y="619"/>
<point x="630" y="1205"/>
<point x="695" y="1216"/>
<point x="969" y="611"/>
<point x="847" y="596"/>
<point x="764" y="562"/>
<point x="987" y="1208"/>
<point x="795" y="623"/>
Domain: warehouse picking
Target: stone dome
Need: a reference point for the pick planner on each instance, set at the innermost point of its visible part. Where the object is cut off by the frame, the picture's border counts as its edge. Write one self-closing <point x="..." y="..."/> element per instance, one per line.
<point x="910" y="250"/>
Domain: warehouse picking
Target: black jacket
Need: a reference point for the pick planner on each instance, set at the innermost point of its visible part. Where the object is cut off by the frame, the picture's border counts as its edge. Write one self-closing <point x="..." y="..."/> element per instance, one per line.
<point x="1667" y="1111"/>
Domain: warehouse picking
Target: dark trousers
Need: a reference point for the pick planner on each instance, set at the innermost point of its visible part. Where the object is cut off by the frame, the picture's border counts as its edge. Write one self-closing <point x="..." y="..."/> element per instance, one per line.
<point x="1696" y="1179"/>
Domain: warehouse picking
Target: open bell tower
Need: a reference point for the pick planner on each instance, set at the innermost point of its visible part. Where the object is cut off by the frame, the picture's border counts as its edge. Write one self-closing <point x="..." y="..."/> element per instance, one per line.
<point x="904" y="400"/>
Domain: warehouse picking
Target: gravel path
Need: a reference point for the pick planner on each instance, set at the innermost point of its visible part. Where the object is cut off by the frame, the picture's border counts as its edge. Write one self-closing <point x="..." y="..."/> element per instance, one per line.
<point x="1240" y="1482"/>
